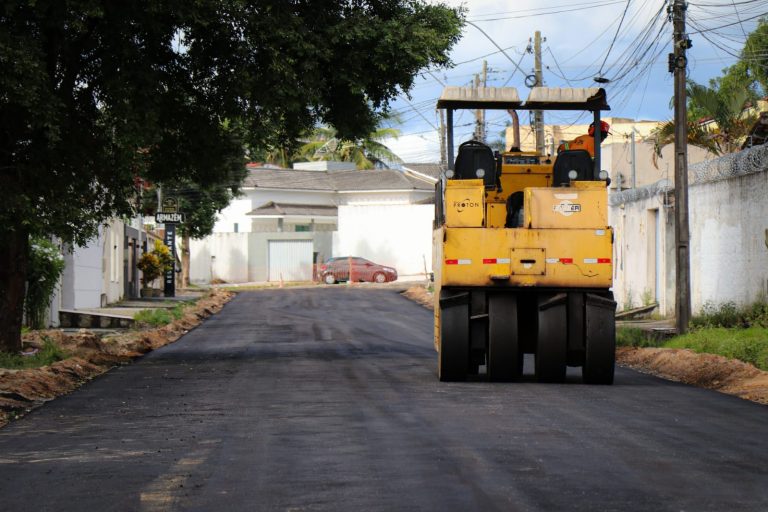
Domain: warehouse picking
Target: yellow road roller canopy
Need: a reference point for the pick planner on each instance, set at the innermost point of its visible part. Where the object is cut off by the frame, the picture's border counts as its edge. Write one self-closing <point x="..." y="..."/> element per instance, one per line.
<point x="540" y="98"/>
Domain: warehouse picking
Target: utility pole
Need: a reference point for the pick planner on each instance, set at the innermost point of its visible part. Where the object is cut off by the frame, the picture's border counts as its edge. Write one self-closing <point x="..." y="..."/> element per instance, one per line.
<point x="538" y="115"/>
<point x="479" y="113"/>
<point x="482" y="112"/>
<point x="634" y="157"/>
<point x="475" y="85"/>
<point x="443" y="156"/>
<point x="677" y="65"/>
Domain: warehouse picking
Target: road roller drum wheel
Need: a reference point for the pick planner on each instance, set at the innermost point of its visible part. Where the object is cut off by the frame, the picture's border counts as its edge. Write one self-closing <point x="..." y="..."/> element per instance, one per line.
<point x="453" y="358"/>
<point x="600" y="350"/>
<point x="504" y="361"/>
<point x="551" y="345"/>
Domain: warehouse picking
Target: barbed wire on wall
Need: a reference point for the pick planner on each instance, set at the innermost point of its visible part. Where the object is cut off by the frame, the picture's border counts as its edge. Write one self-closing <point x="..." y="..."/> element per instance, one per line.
<point x="749" y="161"/>
<point x="640" y="193"/>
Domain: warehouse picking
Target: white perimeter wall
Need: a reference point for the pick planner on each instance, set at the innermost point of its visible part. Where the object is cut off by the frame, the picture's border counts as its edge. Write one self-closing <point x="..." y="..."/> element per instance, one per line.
<point x="636" y="257"/>
<point x="729" y="255"/>
<point x="219" y="256"/>
<point x="82" y="278"/>
<point x="396" y="235"/>
<point x="112" y="258"/>
<point x="729" y="244"/>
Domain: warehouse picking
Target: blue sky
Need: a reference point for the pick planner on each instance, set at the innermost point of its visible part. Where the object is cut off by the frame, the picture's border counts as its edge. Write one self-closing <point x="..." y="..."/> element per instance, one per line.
<point x="624" y="41"/>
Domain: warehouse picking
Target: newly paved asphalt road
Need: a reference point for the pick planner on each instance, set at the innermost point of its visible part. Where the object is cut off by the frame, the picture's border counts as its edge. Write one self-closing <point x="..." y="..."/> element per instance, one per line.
<point x="328" y="399"/>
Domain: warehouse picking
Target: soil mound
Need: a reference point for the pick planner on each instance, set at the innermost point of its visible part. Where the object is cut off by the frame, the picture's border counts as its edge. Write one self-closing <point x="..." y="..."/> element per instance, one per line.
<point x="90" y="355"/>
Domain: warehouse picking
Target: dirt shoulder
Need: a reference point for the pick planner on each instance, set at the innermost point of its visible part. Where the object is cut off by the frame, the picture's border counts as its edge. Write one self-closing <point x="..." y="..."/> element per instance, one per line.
<point x="709" y="371"/>
<point x="90" y="356"/>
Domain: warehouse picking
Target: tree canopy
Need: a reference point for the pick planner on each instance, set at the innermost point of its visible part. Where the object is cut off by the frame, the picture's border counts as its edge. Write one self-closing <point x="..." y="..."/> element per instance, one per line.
<point x="94" y="94"/>
<point x="754" y="56"/>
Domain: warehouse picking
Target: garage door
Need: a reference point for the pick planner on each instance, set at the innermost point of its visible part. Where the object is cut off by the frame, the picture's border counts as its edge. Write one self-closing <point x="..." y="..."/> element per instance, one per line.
<point x="290" y="260"/>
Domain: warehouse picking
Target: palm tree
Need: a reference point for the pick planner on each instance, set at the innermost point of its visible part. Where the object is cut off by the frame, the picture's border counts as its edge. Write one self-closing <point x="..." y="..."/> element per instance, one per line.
<point x="366" y="153"/>
<point x="729" y="124"/>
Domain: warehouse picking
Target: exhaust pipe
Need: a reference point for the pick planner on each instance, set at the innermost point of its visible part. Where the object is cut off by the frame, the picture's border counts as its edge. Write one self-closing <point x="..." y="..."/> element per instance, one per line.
<point x="515" y="129"/>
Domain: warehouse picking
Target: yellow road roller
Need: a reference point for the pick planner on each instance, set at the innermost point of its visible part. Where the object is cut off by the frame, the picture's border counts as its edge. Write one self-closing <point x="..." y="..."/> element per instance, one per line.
<point x="523" y="251"/>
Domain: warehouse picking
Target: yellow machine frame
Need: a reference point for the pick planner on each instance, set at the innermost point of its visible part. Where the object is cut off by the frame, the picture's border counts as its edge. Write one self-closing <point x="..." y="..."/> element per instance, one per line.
<point x="545" y="282"/>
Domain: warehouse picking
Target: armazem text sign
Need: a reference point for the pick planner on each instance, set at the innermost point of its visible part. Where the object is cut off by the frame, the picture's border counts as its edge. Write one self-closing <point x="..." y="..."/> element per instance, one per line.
<point x="169" y="218"/>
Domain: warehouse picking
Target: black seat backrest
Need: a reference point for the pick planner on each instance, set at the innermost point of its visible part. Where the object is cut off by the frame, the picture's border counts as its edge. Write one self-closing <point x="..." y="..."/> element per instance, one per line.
<point x="577" y="160"/>
<point x="474" y="155"/>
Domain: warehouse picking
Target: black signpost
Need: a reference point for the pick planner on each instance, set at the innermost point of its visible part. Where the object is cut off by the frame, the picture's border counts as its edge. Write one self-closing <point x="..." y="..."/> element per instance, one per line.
<point x="170" y="216"/>
<point x="170" y="275"/>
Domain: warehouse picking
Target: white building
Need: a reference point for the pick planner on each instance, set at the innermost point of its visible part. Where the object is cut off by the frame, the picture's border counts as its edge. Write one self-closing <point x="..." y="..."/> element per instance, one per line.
<point x="288" y="220"/>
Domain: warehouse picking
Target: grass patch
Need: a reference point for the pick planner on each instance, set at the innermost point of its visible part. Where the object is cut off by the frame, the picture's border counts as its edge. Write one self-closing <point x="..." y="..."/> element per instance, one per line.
<point x="728" y="314"/>
<point x="153" y="317"/>
<point x="634" y="337"/>
<point x="162" y="316"/>
<point x="749" y="345"/>
<point x="50" y="353"/>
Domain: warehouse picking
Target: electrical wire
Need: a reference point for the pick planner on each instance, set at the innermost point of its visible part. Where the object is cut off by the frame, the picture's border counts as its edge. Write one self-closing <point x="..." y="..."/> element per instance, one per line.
<point x="727" y="25"/>
<point x="581" y="7"/>
<point x="621" y="22"/>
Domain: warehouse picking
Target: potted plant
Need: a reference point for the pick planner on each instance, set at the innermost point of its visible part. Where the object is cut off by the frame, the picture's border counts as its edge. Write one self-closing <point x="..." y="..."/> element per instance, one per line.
<point x="153" y="265"/>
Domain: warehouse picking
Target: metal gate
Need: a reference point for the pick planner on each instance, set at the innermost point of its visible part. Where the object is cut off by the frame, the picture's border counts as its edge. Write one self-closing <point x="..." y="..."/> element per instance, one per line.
<point x="290" y="260"/>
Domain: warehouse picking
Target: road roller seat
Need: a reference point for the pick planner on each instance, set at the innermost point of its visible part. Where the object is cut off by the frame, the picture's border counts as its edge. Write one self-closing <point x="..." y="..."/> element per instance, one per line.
<point x="578" y="160"/>
<point x="473" y="156"/>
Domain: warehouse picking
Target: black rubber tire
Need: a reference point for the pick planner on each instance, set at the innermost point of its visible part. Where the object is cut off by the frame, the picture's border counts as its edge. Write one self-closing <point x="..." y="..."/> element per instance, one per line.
<point x="378" y="277"/>
<point x="329" y="279"/>
<point x="552" y="342"/>
<point x="504" y="361"/>
<point x="600" y="350"/>
<point x="453" y="357"/>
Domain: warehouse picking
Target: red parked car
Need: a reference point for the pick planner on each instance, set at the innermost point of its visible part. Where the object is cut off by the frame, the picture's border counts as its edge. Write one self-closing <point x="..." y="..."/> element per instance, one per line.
<point x="338" y="269"/>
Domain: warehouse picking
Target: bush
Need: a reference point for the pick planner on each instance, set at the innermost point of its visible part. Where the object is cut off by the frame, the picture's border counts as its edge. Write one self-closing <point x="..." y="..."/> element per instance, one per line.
<point x="50" y="353"/>
<point x="155" y="263"/>
<point x="728" y="314"/>
<point x="46" y="265"/>
<point x="757" y="313"/>
<point x="718" y="315"/>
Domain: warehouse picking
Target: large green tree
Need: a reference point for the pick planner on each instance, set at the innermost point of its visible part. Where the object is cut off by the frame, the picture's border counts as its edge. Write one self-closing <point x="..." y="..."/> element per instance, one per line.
<point x="94" y="93"/>
<point x="754" y="56"/>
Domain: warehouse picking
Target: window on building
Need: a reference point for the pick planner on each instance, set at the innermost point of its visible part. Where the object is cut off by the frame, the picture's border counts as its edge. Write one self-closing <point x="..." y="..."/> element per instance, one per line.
<point x="237" y="228"/>
<point x="302" y="227"/>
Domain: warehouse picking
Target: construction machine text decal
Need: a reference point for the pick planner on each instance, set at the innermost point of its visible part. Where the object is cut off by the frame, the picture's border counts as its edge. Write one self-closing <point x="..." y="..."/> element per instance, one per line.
<point x="463" y="205"/>
<point x="566" y="208"/>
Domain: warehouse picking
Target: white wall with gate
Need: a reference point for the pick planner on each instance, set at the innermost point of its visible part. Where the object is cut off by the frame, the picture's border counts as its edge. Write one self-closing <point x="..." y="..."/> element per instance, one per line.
<point x="258" y="257"/>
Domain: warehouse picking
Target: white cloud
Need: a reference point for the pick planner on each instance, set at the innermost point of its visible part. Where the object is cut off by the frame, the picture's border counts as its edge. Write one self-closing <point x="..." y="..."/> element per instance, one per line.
<point x="422" y="148"/>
